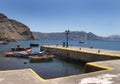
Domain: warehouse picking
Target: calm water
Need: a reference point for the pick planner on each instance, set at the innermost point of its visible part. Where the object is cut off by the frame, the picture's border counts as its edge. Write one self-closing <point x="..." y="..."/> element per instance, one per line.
<point x="54" y="68"/>
<point x="46" y="69"/>
<point x="112" y="45"/>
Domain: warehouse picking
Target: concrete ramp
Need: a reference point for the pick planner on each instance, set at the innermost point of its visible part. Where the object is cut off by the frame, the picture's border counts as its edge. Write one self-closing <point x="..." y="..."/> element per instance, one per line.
<point x="23" y="76"/>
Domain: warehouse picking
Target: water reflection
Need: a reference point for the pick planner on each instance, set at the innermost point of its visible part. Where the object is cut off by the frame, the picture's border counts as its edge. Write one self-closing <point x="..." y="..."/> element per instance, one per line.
<point x="41" y="61"/>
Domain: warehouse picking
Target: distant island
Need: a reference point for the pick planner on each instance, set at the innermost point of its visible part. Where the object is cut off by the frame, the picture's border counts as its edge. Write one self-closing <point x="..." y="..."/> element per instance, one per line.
<point x="12" y="30"/>
<point x="73" y="35"/>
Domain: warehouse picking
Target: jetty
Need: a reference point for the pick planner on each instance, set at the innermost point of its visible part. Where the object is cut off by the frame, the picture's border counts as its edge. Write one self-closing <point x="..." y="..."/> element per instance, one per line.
<point x="102" y="67"/>
<point x="82" y="54"/>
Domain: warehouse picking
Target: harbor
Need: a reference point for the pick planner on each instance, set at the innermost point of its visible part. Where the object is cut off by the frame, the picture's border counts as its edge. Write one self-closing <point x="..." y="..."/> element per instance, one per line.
<point x="105" y="65"/>
<point x="59" y="42"/>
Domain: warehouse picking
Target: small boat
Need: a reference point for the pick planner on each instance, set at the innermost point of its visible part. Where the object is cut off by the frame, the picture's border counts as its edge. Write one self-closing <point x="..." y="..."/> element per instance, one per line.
<point x="32" y="53"/>
<point x="44" y="57"/>
<point x="21" y="54"/>
<point x="3" y="42"/>
<point x="27" y="50"/>
<point x="21" y="49"/>
<point x="17" y="54"/>
<point x="9" y="54"/>
<point x="33" y="44"/>
<point x="81" y="42"/>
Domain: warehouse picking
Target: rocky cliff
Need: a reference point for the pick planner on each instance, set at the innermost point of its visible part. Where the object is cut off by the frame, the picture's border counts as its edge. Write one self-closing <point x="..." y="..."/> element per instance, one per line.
<point x="13" y="30"/>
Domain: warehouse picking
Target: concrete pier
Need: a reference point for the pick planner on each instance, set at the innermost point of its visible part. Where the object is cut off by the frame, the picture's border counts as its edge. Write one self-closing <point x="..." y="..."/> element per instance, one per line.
<point x="99" y="72"/>
<point x="82" y="54"/>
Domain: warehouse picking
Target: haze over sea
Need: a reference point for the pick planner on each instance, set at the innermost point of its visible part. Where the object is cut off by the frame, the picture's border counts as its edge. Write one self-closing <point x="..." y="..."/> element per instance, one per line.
<point x="110" y="45"/>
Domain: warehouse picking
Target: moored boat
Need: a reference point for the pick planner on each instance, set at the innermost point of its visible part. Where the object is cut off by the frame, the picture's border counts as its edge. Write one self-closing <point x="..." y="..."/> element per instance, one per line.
<point x="41" y="57"/>
<point x="9" y="54"/>
<point x="3" y="42"/>
<point x="81" y="42"/>
<point x="17" y="54"/>
<point x="21" y="54"/>
<point x="33" y="44"/>
<point x="32" y="53"/>
<point x="19" y="48"/>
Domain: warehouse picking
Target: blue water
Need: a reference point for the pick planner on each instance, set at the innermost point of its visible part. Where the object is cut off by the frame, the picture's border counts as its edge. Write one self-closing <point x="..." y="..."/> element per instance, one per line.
<point x="46" y="69"/>
<point x="56" y="67"/>
<point x="111" y="45"/>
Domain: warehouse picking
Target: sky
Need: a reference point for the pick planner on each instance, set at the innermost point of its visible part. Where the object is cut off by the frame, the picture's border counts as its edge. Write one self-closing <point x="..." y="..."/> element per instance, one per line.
<point x="102" y="17"/>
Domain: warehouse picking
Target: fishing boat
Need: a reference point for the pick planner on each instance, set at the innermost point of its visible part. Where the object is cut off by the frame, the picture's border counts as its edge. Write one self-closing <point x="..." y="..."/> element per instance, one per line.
<point x="32" y="53"/>
<point x="3" y="42"/>
<point x="41" y="57"/>
<point x="9" y="54"/>
<point x="81" y="41"/>
<point x="17" y="54"/>
<point x="19" y="48"/>
<point x="21" y="54"/>
<point x="33" y="44"/>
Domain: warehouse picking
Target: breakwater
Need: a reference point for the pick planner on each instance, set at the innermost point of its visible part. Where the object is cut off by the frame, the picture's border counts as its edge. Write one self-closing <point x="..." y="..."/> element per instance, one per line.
<point x="82" y="54"/>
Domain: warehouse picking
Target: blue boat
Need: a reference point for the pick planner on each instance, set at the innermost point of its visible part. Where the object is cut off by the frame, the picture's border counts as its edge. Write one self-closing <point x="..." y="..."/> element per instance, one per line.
<point x="36" y="53"/>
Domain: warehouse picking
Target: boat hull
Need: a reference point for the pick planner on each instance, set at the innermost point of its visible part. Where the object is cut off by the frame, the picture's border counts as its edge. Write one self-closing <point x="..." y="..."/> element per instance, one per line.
<point x="44" y="57"/>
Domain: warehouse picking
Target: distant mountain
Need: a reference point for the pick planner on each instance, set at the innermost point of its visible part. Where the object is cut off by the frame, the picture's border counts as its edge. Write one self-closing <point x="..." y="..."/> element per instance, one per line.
<point x="13" y="30"/>
<point x="91" y="36"/>
<point x="113" y="37"/>
<point x="73" y="35"/>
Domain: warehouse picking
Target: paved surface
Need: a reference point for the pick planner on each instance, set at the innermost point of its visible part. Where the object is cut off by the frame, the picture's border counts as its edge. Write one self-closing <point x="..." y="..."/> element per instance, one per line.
<point x="99" y="77"/>
<point x="93" y="50"/>
<point x="23" y="76"/>
<point x="26" y="76"/>
<point x="104" y="51"/>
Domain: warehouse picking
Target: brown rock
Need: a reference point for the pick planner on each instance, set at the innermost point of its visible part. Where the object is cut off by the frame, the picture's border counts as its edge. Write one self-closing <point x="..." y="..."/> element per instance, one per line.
<point x="13" y="30"/>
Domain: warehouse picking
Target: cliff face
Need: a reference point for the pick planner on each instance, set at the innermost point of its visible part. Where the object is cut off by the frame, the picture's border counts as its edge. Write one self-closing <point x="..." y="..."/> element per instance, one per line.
<point x="13" y="30"/>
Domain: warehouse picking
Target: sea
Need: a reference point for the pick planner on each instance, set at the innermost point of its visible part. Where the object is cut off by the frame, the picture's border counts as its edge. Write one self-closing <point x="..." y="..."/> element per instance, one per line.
<point x="56" y="67"/>
<point x="110" y="45"/>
